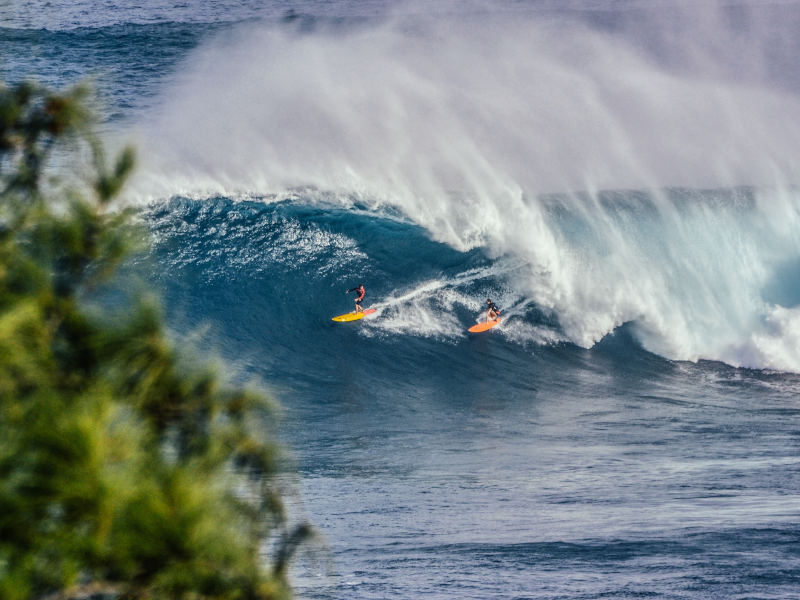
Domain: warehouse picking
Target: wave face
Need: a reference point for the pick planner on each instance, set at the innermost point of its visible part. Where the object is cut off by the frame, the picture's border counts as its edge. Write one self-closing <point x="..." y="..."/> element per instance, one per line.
<point x="693" y="274"/>
<point x="628" y="174"/>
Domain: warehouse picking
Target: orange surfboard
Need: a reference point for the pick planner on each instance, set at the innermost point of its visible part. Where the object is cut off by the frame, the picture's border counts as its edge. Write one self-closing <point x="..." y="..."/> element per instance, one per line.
<point x="484" y="326"/>
<point x="353" y="316"/>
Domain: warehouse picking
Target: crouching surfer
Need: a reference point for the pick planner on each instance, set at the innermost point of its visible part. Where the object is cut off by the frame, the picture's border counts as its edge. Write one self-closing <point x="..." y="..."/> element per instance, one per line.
<point x="360" y="292"/>
<point x="492" y="312"/>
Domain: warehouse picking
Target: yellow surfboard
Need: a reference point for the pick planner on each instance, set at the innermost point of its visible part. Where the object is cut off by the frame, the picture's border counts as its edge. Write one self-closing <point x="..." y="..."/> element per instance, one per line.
<point x="353" y="316"/>
<point x="484" y="326"/>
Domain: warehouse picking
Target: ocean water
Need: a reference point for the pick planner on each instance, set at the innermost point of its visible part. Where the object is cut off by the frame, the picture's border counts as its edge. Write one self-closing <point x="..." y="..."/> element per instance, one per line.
<point x="619" y="177"/>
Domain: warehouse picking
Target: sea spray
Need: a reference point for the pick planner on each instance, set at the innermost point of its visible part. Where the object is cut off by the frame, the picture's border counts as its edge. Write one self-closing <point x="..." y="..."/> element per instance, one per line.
<point x="407" y="112"/>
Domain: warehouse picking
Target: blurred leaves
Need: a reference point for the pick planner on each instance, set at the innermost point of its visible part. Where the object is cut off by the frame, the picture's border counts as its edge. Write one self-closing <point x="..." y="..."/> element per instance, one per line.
<point x="124" y="473"/>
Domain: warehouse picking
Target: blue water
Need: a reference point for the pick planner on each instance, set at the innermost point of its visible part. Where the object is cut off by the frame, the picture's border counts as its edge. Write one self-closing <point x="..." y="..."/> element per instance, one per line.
<point x="584" y="448"/>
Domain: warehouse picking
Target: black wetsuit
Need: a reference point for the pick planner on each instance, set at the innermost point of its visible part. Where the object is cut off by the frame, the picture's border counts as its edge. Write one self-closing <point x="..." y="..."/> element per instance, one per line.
<point x="362" y="293"/>
<point x="493" y="307"/>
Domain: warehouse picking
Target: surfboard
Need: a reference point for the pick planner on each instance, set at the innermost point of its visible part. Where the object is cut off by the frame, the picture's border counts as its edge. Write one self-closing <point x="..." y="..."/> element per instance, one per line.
<point x="354" y="316"/>
<point x="484" y="326"/>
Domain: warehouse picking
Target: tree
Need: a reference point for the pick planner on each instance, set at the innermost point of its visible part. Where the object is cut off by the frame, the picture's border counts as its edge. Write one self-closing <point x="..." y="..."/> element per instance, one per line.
<point x="124" y="473"/>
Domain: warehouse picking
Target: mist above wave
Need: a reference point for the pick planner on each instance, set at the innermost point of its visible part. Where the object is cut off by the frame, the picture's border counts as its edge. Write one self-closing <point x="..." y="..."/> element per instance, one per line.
<point x="414" y="108"/>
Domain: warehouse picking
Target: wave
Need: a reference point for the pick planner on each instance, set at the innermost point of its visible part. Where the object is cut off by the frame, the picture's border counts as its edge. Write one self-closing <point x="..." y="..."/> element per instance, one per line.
<point x="479" y="131"/>
<point x="714" y="278"/>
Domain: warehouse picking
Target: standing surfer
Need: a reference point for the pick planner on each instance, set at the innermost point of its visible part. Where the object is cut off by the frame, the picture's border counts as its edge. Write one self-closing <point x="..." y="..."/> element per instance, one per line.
<point x="492" y="311"/>
<point x="360" y="296"/>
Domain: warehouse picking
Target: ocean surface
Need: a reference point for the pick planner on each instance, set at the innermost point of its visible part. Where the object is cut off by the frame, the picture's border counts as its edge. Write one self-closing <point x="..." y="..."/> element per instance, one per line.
<point x="621" y="178"/>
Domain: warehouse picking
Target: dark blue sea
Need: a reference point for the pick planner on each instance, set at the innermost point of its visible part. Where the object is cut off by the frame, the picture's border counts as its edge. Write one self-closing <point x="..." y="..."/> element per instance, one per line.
<point x="620" y="178"/>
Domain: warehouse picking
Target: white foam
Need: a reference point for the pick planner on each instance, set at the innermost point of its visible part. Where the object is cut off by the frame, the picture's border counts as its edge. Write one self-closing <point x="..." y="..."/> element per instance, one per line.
<point x="425" y="310"/>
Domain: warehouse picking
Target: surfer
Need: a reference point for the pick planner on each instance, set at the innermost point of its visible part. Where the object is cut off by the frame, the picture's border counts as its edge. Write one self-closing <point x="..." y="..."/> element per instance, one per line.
<point x="360" y="296"/>
<point x="492" y="311"/>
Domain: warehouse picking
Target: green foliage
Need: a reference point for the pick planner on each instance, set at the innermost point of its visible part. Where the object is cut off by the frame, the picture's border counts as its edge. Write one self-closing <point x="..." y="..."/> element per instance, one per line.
<point x="123" y="472"/>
